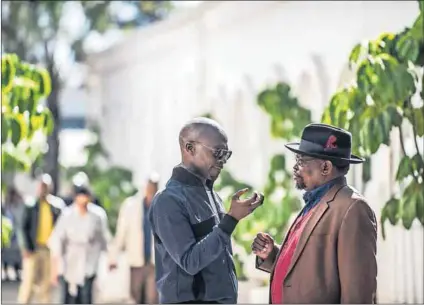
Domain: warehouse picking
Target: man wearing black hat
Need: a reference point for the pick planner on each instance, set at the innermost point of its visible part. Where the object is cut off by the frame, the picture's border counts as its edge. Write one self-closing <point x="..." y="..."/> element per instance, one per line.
<point x="329" y="253"/>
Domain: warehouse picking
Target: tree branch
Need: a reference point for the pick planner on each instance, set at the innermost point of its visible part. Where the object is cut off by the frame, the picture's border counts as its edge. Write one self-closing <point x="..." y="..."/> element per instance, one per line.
<point x="402" y="144"/>
<point x="8" y="30"/>
<point x="10" y="33"/>
<point x="49" y="57"/>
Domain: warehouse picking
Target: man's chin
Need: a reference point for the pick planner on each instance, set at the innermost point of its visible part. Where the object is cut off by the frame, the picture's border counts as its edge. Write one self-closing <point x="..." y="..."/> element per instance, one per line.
<point x="214" y="173"/>
<point x="300" y="186"/>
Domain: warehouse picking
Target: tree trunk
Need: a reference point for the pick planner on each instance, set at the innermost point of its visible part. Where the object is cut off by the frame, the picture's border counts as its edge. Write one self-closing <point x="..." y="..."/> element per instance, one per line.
<point x="51" y="164"/>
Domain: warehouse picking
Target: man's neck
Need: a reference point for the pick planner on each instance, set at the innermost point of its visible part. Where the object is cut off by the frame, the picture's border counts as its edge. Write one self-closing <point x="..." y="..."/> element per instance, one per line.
<point x="82" y="210"/>
<point x="328" y="181"/>
<point x="193" y="170"/>
<point x="147" y="200"/>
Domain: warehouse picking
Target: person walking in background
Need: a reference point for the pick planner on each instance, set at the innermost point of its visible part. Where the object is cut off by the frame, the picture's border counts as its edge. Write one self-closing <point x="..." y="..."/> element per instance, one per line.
<point x="38" y="220"/>
<point x="134" y="236"/>
<point x="80" y="179"/>
<point x="192" y="233"/>
<point x="329" y="253"/>
<point x="76" y="245"/>
<point x="13" y="210"/>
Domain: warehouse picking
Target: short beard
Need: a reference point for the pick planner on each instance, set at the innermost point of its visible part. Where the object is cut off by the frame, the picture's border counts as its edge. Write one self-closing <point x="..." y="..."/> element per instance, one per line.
<point x="300" y="185"/>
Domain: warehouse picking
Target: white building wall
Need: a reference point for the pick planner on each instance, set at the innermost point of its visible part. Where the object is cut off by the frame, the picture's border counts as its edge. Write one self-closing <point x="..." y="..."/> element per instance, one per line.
<point x="216" y="58"/>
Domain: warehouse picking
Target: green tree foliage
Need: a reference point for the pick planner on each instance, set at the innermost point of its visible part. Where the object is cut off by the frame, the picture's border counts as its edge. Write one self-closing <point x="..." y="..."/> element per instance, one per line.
<point x="388" y="95"/>
<point x="23" y="116"/>
<point x="6" y="231"/>
<point x="45" y="32"/>
<point x="110" y="184"/>
<point x="288" y="117"/>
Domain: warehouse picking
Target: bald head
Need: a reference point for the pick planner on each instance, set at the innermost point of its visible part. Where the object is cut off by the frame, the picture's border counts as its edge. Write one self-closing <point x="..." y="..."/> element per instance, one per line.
<point x="200" y="128"/>
<point x="204" y="149"/>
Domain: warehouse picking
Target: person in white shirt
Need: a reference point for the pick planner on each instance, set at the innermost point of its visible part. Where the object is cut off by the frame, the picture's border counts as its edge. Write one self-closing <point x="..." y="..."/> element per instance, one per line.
<point x="79" y="237"/>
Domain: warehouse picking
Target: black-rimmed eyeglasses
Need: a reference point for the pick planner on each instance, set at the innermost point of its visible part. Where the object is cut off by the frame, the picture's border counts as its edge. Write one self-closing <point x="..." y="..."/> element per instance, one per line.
<point x="302" y="161"/>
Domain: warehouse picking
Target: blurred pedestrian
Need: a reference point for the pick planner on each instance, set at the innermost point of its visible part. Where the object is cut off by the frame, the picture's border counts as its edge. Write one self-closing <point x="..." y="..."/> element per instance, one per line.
<point x="329" y="253"/>
<point x="39" y="218"/>
<point x="80" y="180"/>
<point x="192" y="232"/>
<point x="13" y="210"/>
<point x="134" y="236"/>
<point x="76" y="245"/>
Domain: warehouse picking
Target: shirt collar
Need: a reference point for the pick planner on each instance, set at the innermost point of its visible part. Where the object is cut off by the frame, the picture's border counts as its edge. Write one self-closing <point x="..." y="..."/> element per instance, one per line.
<point x="318" y="192"/>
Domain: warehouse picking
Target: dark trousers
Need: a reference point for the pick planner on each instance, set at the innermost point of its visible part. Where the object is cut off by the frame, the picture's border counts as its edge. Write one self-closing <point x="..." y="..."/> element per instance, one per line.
<point x="16" y="267"/>
<point x="143" y="285"/>
<point x="84" y="295"/>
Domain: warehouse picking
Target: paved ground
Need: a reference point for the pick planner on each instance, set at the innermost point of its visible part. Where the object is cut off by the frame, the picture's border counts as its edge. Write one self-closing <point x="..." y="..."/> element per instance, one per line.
<point x="9" y="293"/>
<point x="113" y="288"/>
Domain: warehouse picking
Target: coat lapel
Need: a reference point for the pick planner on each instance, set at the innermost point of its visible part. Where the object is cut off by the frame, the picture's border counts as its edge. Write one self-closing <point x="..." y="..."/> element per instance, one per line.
<point x="313" y="221"/>
<point x="318" y="213"/>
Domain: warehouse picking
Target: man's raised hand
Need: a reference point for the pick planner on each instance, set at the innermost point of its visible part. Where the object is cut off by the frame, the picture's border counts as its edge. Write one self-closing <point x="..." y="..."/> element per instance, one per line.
<point x="240" y="208"/>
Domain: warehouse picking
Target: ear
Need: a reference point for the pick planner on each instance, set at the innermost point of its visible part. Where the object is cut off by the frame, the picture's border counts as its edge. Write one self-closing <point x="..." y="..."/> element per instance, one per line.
<point x="190" y="148"/>
<point x="326" y="168"/>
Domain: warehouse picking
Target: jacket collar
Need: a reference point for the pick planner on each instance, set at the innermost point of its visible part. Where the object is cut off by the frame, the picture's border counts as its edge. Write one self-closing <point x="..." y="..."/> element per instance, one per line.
<point x="184" y="176"/>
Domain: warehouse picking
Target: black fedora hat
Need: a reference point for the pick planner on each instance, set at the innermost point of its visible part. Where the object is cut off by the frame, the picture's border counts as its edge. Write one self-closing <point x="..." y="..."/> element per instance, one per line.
<point x="326" y="142"/>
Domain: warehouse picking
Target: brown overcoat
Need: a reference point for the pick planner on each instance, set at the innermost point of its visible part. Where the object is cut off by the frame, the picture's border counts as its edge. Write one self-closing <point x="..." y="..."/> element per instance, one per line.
<point x="335" y="258"/>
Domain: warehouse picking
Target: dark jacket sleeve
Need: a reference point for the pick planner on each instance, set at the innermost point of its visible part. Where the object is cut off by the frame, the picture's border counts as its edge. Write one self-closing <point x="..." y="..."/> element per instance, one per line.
<point x="357" y="250"/>
<point x="23" y="231"/>
<point x="267" y="264"/>
<point x="171" y="223"/>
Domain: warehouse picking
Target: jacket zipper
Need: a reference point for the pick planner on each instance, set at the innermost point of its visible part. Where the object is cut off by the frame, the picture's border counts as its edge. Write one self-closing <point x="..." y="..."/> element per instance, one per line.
<point x="212" y="201"/>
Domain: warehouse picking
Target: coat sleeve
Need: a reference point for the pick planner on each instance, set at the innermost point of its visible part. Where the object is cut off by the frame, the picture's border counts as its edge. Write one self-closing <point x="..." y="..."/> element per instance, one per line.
<point x="23" y="229"/>
<point x="267" y="264"/>
<point x="56" y="242"/>
<point x="357" y="250"/>
<point x="118" y="243"/>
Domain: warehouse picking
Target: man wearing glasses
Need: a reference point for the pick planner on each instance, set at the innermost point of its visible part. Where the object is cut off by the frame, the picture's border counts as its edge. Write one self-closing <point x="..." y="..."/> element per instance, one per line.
<point x="192" y="231"/>
<point x="329" y="254"/>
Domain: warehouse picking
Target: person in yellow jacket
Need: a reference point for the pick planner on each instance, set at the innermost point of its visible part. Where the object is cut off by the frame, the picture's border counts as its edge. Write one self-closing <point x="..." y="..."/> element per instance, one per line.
<point x="38" y="221"/>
